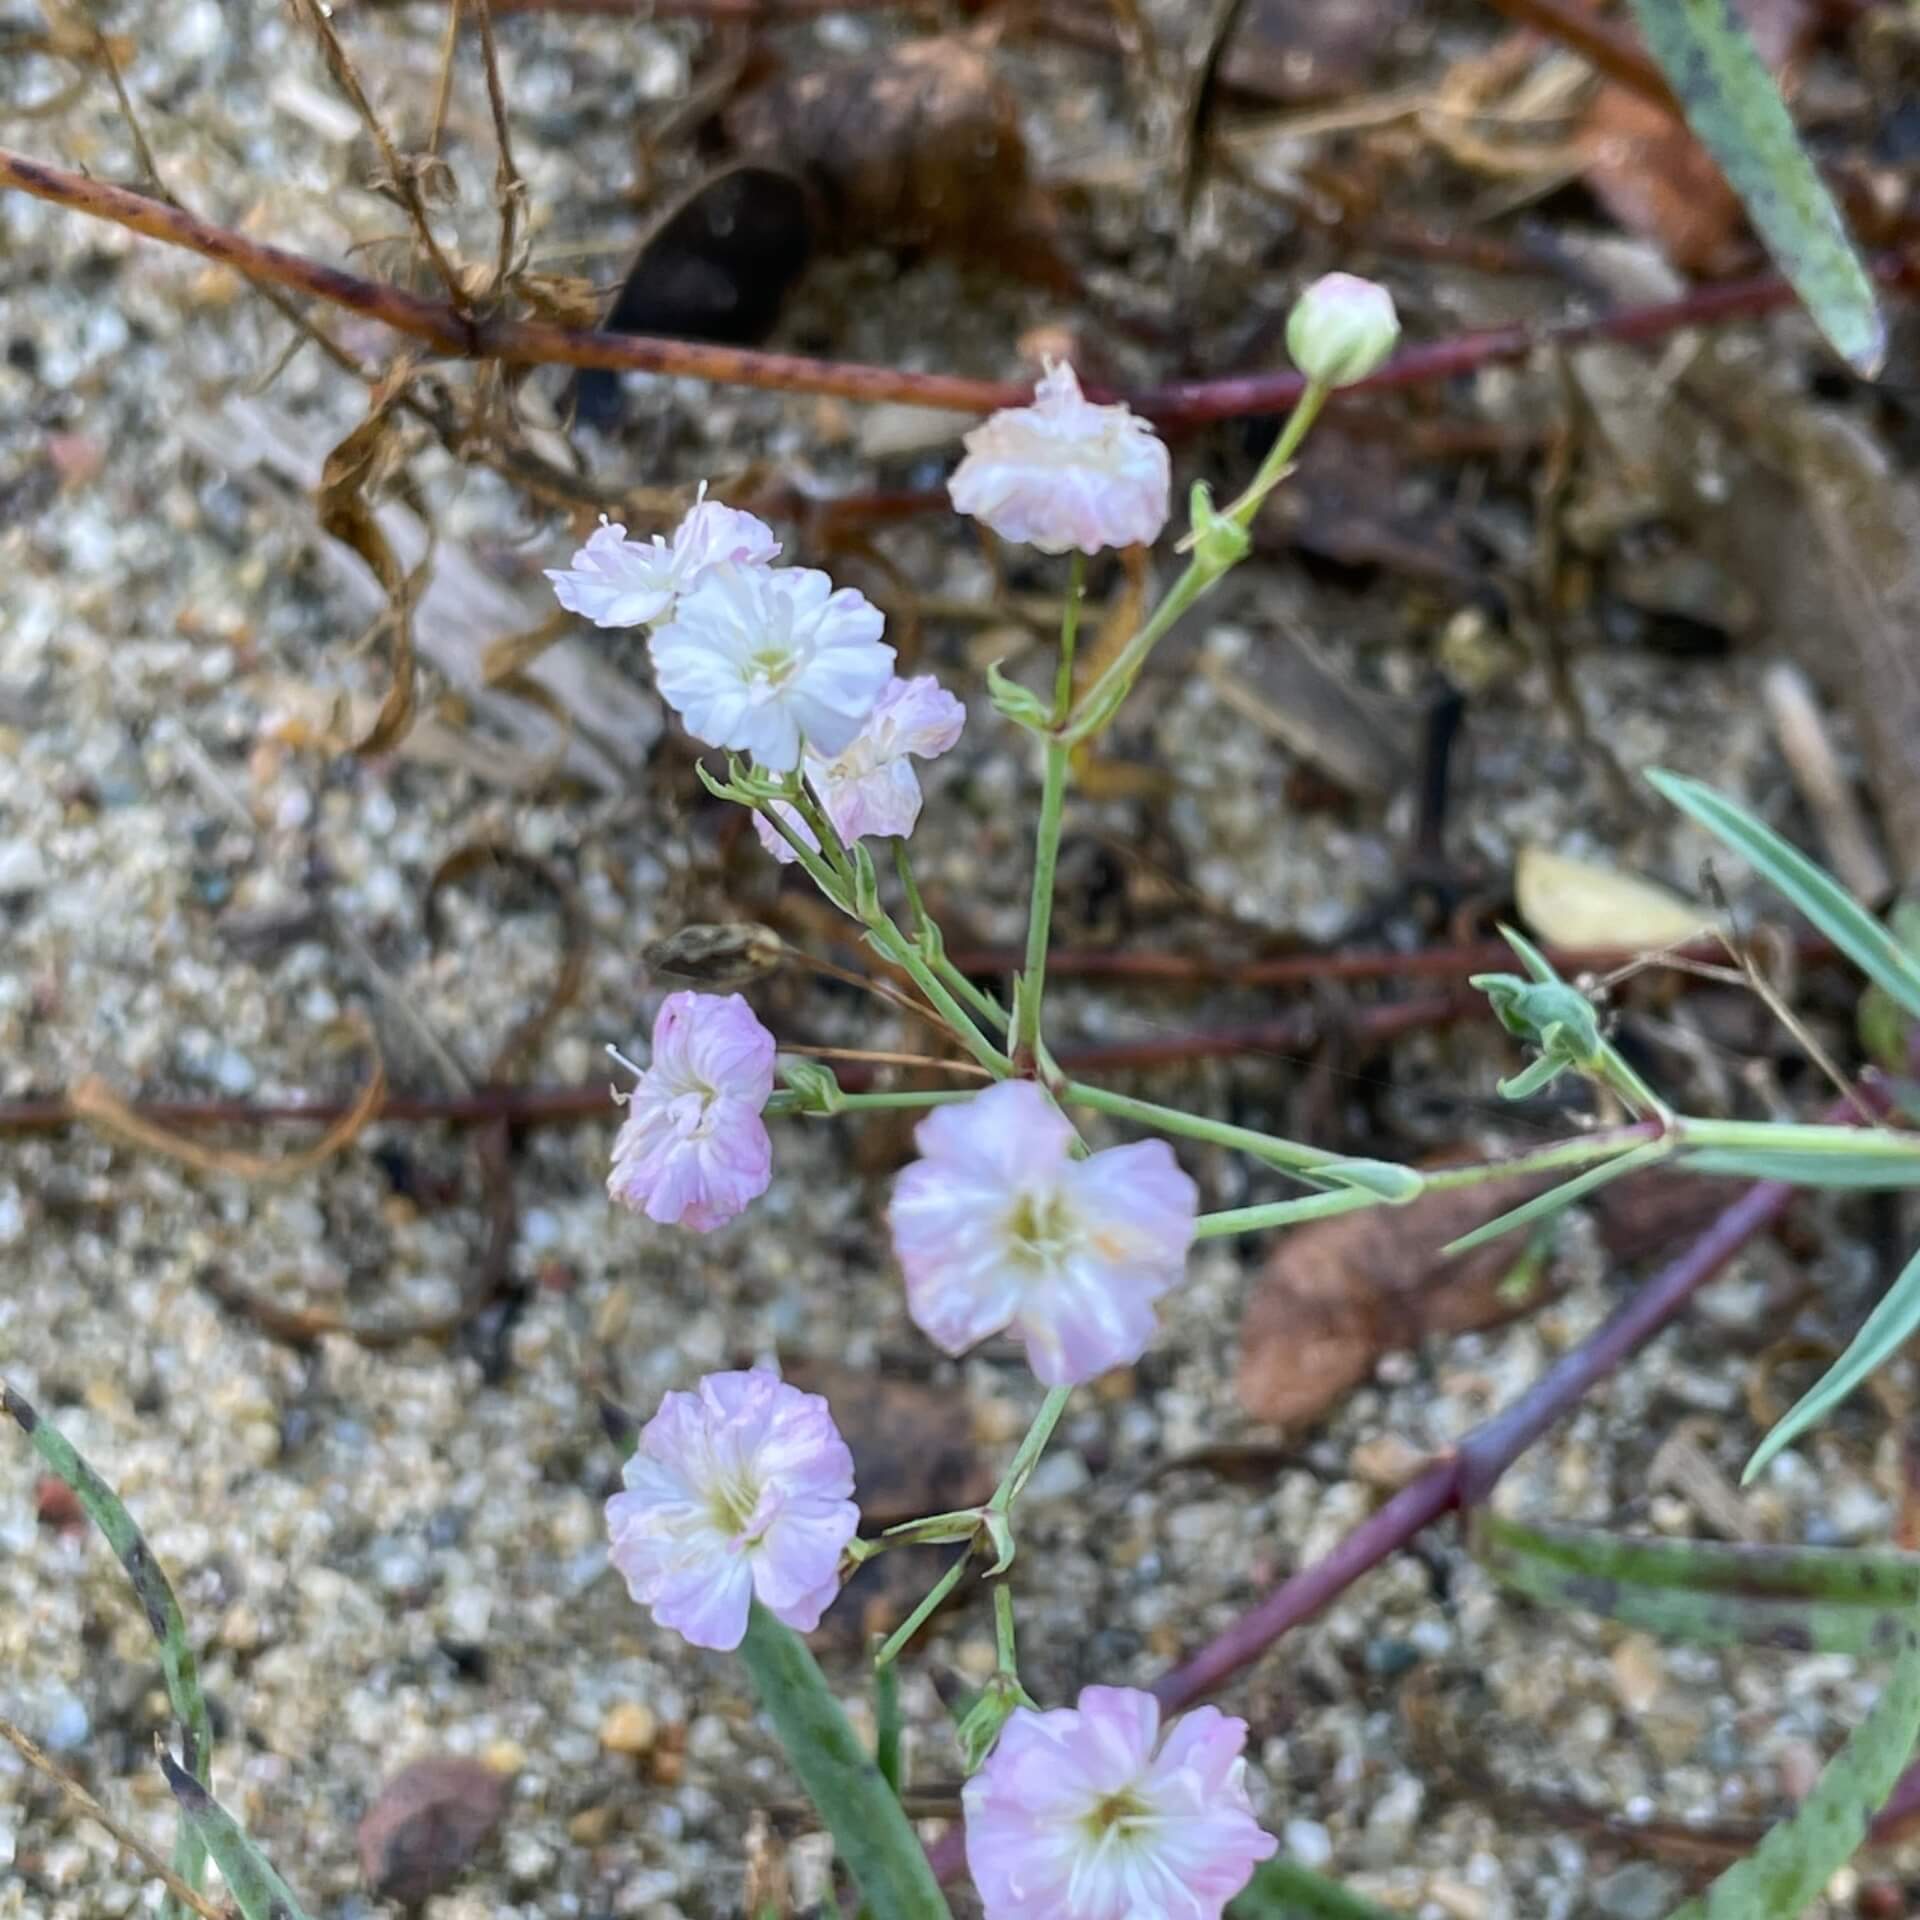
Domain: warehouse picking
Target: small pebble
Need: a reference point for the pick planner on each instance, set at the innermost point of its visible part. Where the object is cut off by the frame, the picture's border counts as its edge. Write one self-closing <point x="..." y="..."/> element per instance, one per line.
<point x="630" y="1728"/>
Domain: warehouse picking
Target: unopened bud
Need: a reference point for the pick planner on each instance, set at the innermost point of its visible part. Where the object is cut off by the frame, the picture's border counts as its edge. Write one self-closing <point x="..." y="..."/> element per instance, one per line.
<point x="1341" y="329"/>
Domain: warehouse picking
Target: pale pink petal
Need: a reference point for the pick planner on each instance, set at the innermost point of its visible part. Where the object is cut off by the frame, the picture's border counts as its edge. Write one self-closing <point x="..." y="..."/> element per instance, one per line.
<point x="1004" y="1132"/>
<point x="1073" y="1817"/>
<point x="884" y="802"/>
<point x="730" y="1051"/>
<point x="1141" y="1206"/>
<point x="614" y="581"/>
<point x="714" y="535"/>
<point x="740" y="1488"/>
<point x="917" y="716"/>
<point x="1064" y="473"/>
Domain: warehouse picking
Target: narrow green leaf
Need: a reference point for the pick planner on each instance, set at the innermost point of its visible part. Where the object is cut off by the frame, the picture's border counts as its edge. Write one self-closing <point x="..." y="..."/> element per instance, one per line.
<point x="1734" y="108"/>
<point x="1281" y="1890"/>
<point x="1832" y="910"/>
<point x="257" y="1890"/>
<point x="1867" y="1172"/>
<point x="1557" y="1199"/>
<point x="1888" y="1328"/>
<point x="151" y="1588"/>
<point x="1783" y="1876"/>
<point x="1706" y="1593"/>
<point x="871" y="1833"/>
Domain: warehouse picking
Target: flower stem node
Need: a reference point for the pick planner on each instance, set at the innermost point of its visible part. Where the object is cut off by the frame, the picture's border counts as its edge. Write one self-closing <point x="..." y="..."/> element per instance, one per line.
<point x="1557" y="1019"/>
<point x="1341" y="329"/>
<point x="1019" y="704"/>
<point x="813" y="1086"/>
<point x="993" y="1706"/>
<point x="1217" y="541"/>
<point x="866" y="885"/>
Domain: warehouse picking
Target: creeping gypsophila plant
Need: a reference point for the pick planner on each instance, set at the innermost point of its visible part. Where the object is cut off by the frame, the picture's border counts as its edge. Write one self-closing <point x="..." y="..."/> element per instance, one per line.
<point x="737" y="1522"/>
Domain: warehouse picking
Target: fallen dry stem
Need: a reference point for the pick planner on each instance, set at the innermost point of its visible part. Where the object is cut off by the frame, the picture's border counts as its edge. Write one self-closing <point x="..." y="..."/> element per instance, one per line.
<point x="86" y="1805"/>
<point x="536" y="343"/>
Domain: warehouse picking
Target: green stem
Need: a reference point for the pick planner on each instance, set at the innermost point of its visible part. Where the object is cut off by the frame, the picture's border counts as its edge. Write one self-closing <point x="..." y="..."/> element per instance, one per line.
<point x="1007" y="1656"/>
<point x="784" y="1103"/>
<point x="1020" y="1468"/>
<point x="1281" y="1213"/>
<point x="887" y="1725"/>
<point x="1268" y="1147"/>
<point x="1767" y="1136"/>
<point x="897" y="1640"/>
<point x="871" y="1832"/>
<point x="895" y="945"/>
<point x="1046" y="860"/>
<point x="1102" y="700"/>
<point x="984" y="1004"/>
<point x="1046" y="839"/>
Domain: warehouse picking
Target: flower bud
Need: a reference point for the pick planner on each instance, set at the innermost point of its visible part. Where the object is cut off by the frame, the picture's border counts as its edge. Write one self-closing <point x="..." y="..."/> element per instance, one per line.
<point x="1341" y="329"/>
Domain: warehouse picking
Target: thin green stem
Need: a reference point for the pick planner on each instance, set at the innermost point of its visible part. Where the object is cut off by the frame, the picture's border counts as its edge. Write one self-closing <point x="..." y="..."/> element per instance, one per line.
<point x="870" y="1829"/>
<point x="1273" y="469"/>
<point x="890" y="941"/>
<point x="1046" y="860"/>
<point x="1020" y="1468"/>
<point x="1282" y="1213"/>
<point x="898" y="1640"/>
<point x="1767" y="1136"/>
<point x="1046" y="839"/>
<point x="788" y="1103"/>
<point x="926" y="935"/>
<point x="887" y="1724"/>
<point x="1267" y="1147"/>
<point x="1007" y="1656"/>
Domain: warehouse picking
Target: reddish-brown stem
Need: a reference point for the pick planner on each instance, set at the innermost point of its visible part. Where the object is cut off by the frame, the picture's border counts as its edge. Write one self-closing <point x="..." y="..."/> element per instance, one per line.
<point x="1598" y="41"/>
<point x="536" y="343"/>
<point x="1466" y="1476"/>
<point x="1360" y="963"/>
<point x="535" y="1106"/>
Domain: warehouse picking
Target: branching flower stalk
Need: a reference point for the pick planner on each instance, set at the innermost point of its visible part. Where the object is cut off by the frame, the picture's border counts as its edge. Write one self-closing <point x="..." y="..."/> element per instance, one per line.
<point x="738" y="1522"/>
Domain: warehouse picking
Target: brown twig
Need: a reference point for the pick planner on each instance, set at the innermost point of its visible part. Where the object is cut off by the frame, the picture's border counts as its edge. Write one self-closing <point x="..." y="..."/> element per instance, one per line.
<point x="508" y="187"/>
<point x="403" y="179"/>
<point x="89" y="1808"/>
<point x="537" y="343"/>
<point x="1617" y="55"/>
<point x="1366" y="963"/>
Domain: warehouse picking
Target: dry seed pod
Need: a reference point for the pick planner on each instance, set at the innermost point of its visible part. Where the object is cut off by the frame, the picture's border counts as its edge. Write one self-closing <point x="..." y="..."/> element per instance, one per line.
<point x="729" y="954"/>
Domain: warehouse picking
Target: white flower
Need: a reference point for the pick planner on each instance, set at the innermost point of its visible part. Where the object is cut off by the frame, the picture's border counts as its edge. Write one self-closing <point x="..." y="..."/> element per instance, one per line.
<point x="1064" y="473"/>
<point x="871" y="787"/>
<point x="772" y="662"/>
<point x="617" y="582"/>
<point x="1341" y="329"/>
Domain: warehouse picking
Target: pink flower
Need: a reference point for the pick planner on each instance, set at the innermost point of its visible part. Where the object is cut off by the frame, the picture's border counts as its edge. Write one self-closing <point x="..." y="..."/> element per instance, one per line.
<point x="740" y="1489"/>
<point x="772" y="662"/>
<point x="694" y="1150"/>
<point x="1064" y="473"/>
<point x="870" y="787"/>
<point x="995" y="1226"/>
<point x="1075" y="1816"/>
<point x="617" y="582"/>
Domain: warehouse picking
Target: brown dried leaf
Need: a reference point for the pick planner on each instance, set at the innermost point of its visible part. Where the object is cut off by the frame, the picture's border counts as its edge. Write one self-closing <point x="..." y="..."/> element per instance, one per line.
<point x="1339" y="1293"/>
<point x="427" y="1824"/>
<point x="918" y="144"/>
<point x="94" y="1101"/>
<point x="346" y="513"/>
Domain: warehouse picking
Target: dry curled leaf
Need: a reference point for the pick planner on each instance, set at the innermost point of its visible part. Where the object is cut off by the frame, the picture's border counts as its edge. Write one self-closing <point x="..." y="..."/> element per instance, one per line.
<point x="346" y="512"/>
<point x="1576" y="903"/>
<point x="1337" y="1294"/>
<point x="918" y="144"/>
<point x="427" y="1824"/>
<point x="94" y="1101"/>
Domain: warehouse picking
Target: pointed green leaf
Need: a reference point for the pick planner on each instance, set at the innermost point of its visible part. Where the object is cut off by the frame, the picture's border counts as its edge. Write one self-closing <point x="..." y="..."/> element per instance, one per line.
<point x="1557" y="1199"/>
<point x="1888" y="1328"/>
<point x="1707" y="1593"/>
<point x="1832" y="910"/>
<point x="257" y="1890"/>
<point x="1735" y="110"/>
<point x="1783" y="1876"/>
<point x="1281" y="1890"/>
<point x="1382" y="1178"/>
<point x="1867" y="1172"/>
<point x="154" y="1592"/>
